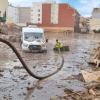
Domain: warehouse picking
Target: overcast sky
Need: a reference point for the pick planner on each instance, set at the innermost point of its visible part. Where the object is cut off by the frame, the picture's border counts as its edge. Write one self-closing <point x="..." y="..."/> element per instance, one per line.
<point x="84" y="7"/>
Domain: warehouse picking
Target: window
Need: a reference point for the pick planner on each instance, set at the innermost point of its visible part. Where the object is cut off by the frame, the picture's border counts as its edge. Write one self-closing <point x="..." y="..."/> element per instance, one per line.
<point x="38" y="15"/>
<point x="38" y="10"/>
<point x="38" y="19"/>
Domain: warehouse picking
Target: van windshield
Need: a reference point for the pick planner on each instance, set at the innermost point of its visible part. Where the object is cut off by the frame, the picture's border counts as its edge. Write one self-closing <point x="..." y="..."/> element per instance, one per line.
<point x="30" y="36"/>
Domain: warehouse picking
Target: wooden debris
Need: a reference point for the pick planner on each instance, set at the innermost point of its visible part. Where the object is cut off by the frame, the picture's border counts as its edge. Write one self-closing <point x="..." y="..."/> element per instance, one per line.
<point x="93" y="85"/>
<point x="95" y="59"/>
<point x="91" y="91"/>
<point x="90" y="75"/>
<point x="55" y="98"/>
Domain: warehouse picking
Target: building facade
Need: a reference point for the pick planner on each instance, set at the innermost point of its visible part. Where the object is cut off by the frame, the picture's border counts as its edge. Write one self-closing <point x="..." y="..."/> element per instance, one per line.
<point x="3" y="7"/>
<point x="12" y="14"/>
<point x="95" y="20"/>
<point x="96" y="13"/>
<point x="36" y="13"/>
<point x="24" y="14"/>
<point x="49" y="15"/>
<point x="18" y="15"/>
<point x="55" y="15"/>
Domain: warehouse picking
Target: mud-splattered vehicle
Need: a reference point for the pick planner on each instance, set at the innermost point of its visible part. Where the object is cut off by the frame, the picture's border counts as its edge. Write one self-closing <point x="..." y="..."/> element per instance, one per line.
<point x="33" y="39"/>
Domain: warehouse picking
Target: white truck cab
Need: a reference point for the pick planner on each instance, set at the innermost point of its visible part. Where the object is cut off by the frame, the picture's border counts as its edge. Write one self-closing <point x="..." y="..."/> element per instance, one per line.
<point x="33" y="39"/>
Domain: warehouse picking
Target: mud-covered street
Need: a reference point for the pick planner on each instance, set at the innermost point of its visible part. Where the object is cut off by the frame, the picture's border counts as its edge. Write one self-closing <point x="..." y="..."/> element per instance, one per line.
<point x="17" y="84"/>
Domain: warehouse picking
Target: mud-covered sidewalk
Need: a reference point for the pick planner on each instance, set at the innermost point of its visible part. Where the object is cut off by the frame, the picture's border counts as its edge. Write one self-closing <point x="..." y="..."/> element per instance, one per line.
<point x="17" y="84"/>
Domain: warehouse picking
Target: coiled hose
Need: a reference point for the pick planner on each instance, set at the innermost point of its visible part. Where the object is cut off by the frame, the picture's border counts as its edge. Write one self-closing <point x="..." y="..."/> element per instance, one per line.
<point x="24" y="64"/>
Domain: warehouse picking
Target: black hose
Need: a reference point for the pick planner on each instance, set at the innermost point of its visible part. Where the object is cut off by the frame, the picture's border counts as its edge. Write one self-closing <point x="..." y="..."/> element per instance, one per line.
<point x="24" y="64"/>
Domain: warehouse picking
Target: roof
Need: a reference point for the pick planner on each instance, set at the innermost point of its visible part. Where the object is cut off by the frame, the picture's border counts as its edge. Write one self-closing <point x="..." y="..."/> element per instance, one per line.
<point x="28" y="29"/>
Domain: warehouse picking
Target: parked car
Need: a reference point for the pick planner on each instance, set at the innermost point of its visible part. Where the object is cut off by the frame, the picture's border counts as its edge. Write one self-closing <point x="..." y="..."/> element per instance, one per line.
<point x="84" y="30"/>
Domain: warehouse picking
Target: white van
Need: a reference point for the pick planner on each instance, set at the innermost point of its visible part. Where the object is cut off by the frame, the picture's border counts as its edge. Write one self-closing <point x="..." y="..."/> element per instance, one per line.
<point x="33" y="39"/>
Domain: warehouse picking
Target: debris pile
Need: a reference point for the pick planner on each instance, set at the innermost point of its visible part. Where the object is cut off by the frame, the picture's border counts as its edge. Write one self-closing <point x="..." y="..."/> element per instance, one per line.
<point x="95" y="59"/>
<point x="10" y="32"/>
<point x="91" y="79"/>
<point x="3" y="29"/>
<point x="92" y="93"/>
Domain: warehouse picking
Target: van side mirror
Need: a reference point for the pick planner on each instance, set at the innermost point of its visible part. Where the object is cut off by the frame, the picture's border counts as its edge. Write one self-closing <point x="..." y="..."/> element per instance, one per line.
<point x="46" y="40"/>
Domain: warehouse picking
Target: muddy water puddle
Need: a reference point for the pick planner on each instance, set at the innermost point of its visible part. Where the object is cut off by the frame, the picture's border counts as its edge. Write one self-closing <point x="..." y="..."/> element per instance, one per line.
<point x="16" y="84"/>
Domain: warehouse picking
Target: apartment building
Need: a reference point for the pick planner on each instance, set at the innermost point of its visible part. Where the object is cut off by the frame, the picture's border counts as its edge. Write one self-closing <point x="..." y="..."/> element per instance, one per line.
<point x="3" y="7"/>
<point x="18" y="15"/>
<point x="95" y="20"/>
<point x="55" y="15"/>
<point x="36" y="13"/>
<point x="96" y="13"/>
<point x="24" y="14"/>
<point x="49" y="15"/>
<point x="12" y="14"/>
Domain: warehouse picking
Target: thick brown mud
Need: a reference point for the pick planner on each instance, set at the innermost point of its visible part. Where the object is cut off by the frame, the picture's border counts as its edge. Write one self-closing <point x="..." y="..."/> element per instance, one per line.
<point x="17" y="84"/>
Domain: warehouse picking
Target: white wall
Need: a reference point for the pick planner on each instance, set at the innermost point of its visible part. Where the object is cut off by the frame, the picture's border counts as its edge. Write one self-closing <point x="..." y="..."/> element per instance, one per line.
<point x="94" y="24"/>
<point x="96" y="14"/>
<point x="24" y="14"/>
<point x="12" y="14"/>
<point x="36" y="13"/>
<point x="54" y="13"/>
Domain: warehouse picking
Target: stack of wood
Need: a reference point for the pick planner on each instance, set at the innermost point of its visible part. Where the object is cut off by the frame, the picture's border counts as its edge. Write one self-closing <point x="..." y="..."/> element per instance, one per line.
<point x="95" y="59"/>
